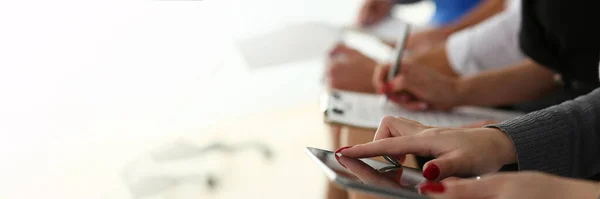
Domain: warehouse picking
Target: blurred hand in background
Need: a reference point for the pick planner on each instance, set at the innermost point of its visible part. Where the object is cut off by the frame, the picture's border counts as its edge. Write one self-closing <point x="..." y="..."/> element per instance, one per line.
<point x="373" y="11"/>
<point x="348" y="69"/>
<point x="431" y="89"/>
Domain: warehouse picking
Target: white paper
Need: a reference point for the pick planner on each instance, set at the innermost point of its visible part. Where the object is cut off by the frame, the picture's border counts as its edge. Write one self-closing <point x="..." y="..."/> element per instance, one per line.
<point x="294" y="42"/>
<point x="367" y="110"/>
<point x="388" y="29"/>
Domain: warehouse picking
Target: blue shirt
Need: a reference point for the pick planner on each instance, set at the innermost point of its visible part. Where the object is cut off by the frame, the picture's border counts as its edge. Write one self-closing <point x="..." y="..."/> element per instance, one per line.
<point x="447" y="11"/>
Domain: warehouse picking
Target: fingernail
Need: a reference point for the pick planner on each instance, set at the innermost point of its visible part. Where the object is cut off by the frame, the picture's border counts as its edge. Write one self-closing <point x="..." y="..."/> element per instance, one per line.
<point x="337" y="155"/>
<point x="431" y="172"/>
<point x="431" y="187"/>
<point x="388" y="87"/>
<point x="338" y="152"/>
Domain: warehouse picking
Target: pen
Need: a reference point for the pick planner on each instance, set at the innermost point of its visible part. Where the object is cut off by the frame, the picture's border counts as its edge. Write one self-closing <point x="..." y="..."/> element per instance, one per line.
<point x="397" y="55"/>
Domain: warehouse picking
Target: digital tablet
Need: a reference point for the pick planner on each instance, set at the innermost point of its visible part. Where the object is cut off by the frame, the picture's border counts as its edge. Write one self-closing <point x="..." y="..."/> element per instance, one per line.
<point x="364" y="175"/>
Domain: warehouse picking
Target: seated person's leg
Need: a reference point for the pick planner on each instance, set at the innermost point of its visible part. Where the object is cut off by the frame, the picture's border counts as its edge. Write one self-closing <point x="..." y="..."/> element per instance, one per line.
<point x="332" y="191"/>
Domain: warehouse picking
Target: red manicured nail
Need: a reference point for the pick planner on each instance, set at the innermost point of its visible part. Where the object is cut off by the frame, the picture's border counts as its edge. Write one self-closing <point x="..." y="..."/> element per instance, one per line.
<point x="338" y="152"/>
<point x="431" y="187"/>
<point x="431" y="172"/>
<point x="388" y="87"/>
<point x="341" y="149"/>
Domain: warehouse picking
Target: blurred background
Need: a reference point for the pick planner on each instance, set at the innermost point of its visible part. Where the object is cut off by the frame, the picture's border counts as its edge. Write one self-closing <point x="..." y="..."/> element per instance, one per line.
<point x="112" y="98"/>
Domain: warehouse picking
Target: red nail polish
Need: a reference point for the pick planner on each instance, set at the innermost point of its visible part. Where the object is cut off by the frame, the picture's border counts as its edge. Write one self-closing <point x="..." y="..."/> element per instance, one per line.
<point x="341" y="149"/>
<point x="431" y="187"/>
<point x="431" y="172"/>
<point x="338" y="157"/>
<point x="388" y="87"/>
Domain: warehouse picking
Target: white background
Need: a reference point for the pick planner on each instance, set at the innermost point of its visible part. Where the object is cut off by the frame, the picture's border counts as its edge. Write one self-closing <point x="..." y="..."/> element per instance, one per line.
<point x="75" y="74"/>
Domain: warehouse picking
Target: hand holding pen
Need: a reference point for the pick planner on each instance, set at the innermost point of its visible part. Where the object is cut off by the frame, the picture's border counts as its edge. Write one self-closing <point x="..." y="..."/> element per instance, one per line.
<point x="415" y="88"/>
<point x="418" y="88"/>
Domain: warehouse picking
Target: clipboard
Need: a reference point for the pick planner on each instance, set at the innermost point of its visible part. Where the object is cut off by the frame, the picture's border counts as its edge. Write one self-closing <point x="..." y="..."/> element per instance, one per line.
<point x="365" y="110"/>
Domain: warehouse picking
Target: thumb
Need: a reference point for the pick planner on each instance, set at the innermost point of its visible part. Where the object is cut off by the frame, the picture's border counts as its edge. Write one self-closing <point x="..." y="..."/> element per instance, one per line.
<point x="379" y="77"/>
<point x="399" y="83"/>
<point x="441" y="167"/>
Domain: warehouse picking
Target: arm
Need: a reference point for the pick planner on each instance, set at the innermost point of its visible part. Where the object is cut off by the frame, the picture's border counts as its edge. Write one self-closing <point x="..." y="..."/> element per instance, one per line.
<point x="435" y="58"/>
<point x="563" y="139"/>
<point x="421" y="41"/>
<point x="524" y="81"/>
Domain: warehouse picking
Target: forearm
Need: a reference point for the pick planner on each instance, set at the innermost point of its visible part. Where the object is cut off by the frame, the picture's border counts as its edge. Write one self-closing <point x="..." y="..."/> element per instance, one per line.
<point x="435" y="58"/>
<point x="563" y="139"/>
<point x="518" y="83"/>
<point x="481" y="12"/>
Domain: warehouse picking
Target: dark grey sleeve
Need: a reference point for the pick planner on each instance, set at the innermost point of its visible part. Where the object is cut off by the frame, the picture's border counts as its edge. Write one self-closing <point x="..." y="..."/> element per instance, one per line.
<point x="562" y="139"/>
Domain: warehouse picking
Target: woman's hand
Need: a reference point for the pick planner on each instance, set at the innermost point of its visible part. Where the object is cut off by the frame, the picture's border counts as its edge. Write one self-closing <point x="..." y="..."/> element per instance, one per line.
<point x="373" y="11"/>
<point x="348" y="69"/>
<point x="457" y="152"/>
<point x="523" y="185"/>
<point x="429" y="88"/>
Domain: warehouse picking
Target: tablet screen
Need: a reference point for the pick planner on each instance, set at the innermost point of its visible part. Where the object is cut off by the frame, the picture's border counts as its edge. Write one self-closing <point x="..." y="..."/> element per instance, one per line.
<point x="365" y="175"/>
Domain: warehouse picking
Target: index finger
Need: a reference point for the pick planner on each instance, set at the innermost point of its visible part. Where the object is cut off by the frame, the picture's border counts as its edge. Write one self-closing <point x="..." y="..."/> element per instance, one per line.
<point x="418" y="145"/>
<point x="396" y="126"/>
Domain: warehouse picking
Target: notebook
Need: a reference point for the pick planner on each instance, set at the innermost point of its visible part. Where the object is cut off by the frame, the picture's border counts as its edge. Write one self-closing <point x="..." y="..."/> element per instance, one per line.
<point x="367" y="110"/>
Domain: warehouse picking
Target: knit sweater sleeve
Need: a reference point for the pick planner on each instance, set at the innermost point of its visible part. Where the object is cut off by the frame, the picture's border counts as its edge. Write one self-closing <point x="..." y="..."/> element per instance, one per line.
<point x="562" y="139"/>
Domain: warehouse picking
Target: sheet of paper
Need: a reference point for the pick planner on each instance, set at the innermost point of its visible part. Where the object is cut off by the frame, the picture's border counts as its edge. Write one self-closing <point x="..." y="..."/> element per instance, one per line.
<point x="294" y="42"/>
<point x="387" y="30"/>
<point x="367" y="110"/>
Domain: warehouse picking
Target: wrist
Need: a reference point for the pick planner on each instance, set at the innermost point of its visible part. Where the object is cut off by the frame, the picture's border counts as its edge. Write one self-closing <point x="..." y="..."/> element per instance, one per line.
<point x="446" y="31"/>
<point x="580" y="188"/>
<point x="504" y="146"/>
<point x="460" y="93"/>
